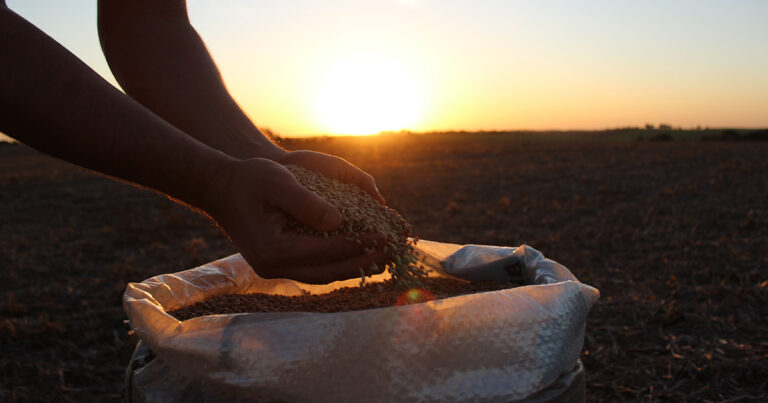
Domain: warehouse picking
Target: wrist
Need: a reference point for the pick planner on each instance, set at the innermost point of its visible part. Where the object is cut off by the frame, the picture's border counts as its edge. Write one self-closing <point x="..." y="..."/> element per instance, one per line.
<point x="264" y="148"/>
<point x="210" y="176"/>
<point x="251" y="143"/>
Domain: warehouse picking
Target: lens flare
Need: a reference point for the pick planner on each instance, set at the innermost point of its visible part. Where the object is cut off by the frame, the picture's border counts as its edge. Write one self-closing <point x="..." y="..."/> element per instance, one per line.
<point x="414" y="296"/>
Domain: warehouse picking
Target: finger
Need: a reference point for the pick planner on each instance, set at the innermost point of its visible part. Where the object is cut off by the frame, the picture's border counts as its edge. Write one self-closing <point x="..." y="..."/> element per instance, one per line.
<point x="302" y="249"/>
<point x="304" y="205"/>
<point x="341" y="270"/>
<point x="341" y="169"/>
<point x="367" y="183"/>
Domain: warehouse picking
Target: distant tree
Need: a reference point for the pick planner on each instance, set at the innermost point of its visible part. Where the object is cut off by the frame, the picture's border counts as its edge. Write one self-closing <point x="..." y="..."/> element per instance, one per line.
<point x="649" y="126"/>
<point x="664" y="126"/>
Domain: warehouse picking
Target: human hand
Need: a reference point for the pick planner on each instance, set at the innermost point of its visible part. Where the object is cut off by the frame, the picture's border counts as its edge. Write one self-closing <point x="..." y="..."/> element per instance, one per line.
<point x="332" y="167"/>
<point x="250" y="200"/>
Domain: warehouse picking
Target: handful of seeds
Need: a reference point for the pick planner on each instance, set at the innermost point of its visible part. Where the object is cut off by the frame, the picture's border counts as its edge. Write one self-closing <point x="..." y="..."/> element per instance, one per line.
<point x="361" y="214"/>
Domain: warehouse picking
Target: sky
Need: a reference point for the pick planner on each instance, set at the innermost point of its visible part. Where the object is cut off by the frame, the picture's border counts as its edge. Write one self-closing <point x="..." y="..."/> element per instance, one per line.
<point x="308" y="67"/>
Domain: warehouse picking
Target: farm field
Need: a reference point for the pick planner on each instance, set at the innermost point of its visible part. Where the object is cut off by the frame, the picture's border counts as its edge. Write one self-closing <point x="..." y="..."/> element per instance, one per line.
<point x="674" y="234"/>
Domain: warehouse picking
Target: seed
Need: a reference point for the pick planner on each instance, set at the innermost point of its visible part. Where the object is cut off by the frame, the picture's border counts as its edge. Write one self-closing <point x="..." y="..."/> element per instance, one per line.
<point x="368" y="296"/>
<point x="362" y="214"/>
<point x="362" y="277"/>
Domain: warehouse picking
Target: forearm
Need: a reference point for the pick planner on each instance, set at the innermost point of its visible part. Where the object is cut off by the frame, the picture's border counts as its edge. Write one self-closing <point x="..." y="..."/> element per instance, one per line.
<point x="53" y="102"/>
<point x="159" y="60"/>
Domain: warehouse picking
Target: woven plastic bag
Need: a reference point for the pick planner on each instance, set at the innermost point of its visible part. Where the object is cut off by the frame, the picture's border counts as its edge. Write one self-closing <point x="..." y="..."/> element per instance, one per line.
<point x="494" y="346"/>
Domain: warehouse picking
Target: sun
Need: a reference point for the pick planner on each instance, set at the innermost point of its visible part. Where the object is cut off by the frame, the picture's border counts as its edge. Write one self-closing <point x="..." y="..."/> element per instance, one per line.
<point x="367" y="95"/>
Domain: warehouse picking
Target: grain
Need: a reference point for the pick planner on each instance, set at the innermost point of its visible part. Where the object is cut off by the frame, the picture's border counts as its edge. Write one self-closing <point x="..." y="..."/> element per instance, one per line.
<point x="372" y="295"/>
<point x="361" y="214"/>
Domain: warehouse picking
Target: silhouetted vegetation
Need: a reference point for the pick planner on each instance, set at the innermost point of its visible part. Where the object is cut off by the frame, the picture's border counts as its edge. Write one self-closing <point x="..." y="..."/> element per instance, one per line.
<point x="738" y="135"/>
<point x="659" y="137"/>
<point x="663" y="133"/>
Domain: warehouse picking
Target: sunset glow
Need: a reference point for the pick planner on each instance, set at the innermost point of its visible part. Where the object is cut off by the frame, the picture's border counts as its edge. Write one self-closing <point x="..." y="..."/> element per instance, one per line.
<point x="358" y="67"/>
<point x="366" y="95"/>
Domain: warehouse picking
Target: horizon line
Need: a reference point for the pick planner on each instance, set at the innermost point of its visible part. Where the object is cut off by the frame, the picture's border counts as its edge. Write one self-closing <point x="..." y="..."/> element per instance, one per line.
<point x="4" y="138"/>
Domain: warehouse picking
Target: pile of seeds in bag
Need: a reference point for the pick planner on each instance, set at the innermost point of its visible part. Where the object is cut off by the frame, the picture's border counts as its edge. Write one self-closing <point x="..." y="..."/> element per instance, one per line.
<point x="372" y="295"/>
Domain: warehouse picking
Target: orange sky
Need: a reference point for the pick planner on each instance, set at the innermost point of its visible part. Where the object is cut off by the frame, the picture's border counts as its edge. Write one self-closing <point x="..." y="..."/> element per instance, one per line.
<point x="304" y="67"/>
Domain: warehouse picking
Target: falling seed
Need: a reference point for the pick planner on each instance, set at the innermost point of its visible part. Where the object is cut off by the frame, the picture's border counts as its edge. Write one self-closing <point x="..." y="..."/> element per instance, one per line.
<point x="362" y="214"/>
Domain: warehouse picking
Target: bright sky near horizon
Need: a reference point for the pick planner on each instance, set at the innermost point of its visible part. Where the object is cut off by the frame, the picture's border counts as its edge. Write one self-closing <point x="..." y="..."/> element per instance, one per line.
<point x="306" y="67"/>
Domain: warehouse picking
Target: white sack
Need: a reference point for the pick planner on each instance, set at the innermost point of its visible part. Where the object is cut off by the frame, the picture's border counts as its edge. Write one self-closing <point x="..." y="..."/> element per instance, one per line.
<point x="492" y="346"/>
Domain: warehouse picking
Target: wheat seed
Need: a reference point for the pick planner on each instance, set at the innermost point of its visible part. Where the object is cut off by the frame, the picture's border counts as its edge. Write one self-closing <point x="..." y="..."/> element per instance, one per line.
<point x="362" y="213"/>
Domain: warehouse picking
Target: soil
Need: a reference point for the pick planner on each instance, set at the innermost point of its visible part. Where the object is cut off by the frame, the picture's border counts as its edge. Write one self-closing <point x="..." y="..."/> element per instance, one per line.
<point x="674" y="234"/>
<point x="372" y="295"/>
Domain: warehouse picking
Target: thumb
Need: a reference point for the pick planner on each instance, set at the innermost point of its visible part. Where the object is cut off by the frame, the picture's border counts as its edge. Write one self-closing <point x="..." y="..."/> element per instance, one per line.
<point x="306" y="206"/>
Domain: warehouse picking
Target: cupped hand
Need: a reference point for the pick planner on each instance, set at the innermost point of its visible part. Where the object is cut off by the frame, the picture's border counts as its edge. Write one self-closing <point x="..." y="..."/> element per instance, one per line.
<point x="332" y="167"/>
<point x="251" y="199"/>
